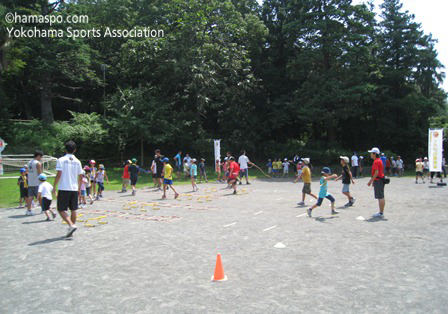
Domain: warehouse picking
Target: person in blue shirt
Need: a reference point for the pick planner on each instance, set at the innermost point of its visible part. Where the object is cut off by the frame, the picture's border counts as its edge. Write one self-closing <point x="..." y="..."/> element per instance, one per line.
<point x="383" y="160"/>
<point x="194" y="174"/>
<point x="323" y="192"/>
<point x="178" y="160"/>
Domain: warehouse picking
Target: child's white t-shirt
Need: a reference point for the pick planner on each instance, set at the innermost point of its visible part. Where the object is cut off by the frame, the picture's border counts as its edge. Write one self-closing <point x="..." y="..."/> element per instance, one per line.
<point x="45" y="189"/>
<point x="286" y="164"/>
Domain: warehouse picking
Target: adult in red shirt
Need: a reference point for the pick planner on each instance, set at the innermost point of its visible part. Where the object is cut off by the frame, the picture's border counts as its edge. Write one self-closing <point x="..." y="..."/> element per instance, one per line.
<point x="234" y="170"/>
<point x="126" y="176"/>
<point x="377" y="180"/>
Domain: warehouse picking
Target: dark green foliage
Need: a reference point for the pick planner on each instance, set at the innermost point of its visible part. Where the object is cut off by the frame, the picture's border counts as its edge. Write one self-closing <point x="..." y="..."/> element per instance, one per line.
<point x="288" y="76"/>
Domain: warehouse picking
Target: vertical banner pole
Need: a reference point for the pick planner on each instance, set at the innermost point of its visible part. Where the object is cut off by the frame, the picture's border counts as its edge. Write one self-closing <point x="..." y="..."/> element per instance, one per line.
<point x="435" y="149"/>
<point x="217" y="146"/>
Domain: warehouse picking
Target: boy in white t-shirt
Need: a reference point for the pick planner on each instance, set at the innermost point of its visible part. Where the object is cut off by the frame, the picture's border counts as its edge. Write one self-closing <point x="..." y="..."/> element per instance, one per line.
<point x="44" y="196"/>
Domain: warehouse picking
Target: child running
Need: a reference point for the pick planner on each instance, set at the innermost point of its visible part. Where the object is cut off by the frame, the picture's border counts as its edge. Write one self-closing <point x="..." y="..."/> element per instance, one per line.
<point x="419" y="170"/>
<point x="305" y="174"/>
<point x="193" y="174"/>
<point x="347" y="178"/>
<point x="133" y="175"/>
<point x="99" y="178"/>
<point x="23" y="186"/>
<point x="125" y="176"/>
<point x="323" y="193"/>
<point x="44" y="196"/>
<point x="168" y="178"/>
<point x="234" y="170"/>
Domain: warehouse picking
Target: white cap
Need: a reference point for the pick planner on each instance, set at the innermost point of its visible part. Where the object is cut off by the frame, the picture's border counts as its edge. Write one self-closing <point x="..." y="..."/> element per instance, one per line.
<point x="286" y="159"/>
<point x="345" y="159"/>
<point x="361" y="157"/>
<point x="193" y="160"/>
<point x="375" y="150"/>
<point x="426" y="158"/>
<point x="306" y="160"/>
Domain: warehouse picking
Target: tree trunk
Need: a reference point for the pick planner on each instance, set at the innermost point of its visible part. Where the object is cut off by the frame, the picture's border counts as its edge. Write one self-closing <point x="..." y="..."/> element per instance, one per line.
<point x="141" y="149"/>
<point x="45" y="93"/>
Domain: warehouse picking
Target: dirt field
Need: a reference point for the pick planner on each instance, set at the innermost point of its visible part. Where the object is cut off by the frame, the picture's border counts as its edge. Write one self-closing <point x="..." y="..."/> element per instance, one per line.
<point x="161" y="259"/>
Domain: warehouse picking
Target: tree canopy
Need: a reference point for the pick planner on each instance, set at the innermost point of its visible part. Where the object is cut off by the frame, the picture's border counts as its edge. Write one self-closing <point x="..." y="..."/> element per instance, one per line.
<point x="279" y="77"/>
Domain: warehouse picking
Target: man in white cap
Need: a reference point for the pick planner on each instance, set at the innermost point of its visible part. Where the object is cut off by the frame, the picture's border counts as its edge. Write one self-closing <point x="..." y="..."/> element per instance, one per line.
<point x="377" y="180"/>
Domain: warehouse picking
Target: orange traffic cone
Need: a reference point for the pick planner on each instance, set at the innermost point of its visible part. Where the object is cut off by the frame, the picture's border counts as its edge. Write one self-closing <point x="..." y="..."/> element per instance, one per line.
<point x="219" y="271"/>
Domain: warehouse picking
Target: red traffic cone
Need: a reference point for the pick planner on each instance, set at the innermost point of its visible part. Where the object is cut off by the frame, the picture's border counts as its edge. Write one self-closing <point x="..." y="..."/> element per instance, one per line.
<point x="219" y="270"/>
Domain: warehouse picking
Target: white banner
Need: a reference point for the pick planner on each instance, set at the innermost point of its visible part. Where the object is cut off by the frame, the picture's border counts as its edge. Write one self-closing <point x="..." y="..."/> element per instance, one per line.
<point x="217" y="150"/>
<point x="435" y="149"/>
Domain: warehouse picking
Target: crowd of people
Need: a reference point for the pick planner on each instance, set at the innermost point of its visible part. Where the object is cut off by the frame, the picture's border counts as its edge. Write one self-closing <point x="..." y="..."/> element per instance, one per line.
<point x="74" y="184"/>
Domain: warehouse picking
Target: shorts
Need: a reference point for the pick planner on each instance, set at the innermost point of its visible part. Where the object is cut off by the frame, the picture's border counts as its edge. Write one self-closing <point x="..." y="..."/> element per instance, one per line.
<point x="83" y="192"/>
<point x="33" y="191"/>
<point x="179" y="168"/>
<point x="134" y="181"/>
<point x="23" y="192"/>
<point x="67" y="200"/>
<point x="285" y="170"/>
<point x="100" y="186"/>
<point x="193" y="177"/>
<point x="329" y="197"/>
<point x="46" y="203"/>
<point x="126" y="180"/>
<point x="158" y="175"/>
<point x="88" y="191"/>
<point x="418" y="173"/>
<point x="378" y="187"/>
<point x="345" y="188"/>
<point x="167" y="181"/>
<point x="306" y="188"/>
<point x="244" y="173"/>
<point x="231" y="179"/>
<point x="299" y="172"/>
<point x="425" y="170"/>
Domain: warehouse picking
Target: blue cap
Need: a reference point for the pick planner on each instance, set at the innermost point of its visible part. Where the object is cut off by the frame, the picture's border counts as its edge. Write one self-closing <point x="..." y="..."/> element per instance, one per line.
<point x="42" y="177"/>
<point x="165" y="159"/>
<point x="22" y="170"/>
<point x="326" y="170"/>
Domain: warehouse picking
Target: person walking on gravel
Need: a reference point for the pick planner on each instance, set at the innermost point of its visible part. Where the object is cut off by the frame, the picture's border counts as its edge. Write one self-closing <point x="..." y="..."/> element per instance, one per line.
<point x="69" y="178"/>
<point x="34" y="170"/>
<point x="306" y="178"/>
<point x="377" y="180"/>
<point x="355" y="162"/>
<point x="234" y="169"/>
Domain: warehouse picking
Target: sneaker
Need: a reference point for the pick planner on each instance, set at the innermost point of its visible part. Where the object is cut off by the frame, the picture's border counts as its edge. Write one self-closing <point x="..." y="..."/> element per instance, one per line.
<point x="248" y="183"/>
<point x="240" y="183"/>
<point x="353" y="201"/>
<point x="29" y="213"/>
<point x="70" y="231"/>
<point x="333" y="212"/>
<point x="378" y="215"/>
<point x="53" y="214"/>
<point x="48" y="219"/>
<point x="348" y="204"/>
<point x="308" y="211"/>
<point x="133" y="192"/>
<point x="234" y="192"/>
<point x="97" y="198"/>
<point x="101" y="196"/>
<point x="416" y="182"/>
<point x="301" y="203"/>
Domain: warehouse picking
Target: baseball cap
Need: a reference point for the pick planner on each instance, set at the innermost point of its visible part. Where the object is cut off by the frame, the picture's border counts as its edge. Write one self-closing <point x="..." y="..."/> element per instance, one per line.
<point x="426" y="158"/>
<point x="22" y="170"/>
<point x="193" y="160"/>
<point x="42" y="177"/>
<point x="86" y="168"/>
<point x="326" y="170"/>
<point x="306" y="160"/>
<point x="166" y="159"/>
<point x="382" y="154"/>
<point x="345" y="159"/>
<point x="231" y="158"/>
<point x="202" y="159"/>
<point x="101" y="166"/>
<point x="375" y="150"/>
<point x="93" y="161"/>
<point x="134" y="160"/>
<point x="225" y="158"/>
<point x="361" y="157"/>
<point x="286" y="159"/>
<point x="129" y="161"/>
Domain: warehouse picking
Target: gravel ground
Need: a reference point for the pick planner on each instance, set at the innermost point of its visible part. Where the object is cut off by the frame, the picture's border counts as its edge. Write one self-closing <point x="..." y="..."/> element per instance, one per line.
<point x="161" y="259"/>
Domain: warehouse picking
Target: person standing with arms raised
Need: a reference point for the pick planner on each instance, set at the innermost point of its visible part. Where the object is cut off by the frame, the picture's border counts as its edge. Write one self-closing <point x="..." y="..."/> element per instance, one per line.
<point x="34" y="170"/>
<point x="378" y="184"/>
<point x="69" y="178"/>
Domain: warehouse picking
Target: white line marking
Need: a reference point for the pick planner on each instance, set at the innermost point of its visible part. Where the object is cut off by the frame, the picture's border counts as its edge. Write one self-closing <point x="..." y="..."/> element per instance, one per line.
<point x="258" y="212"/>
<point x="301" y="215"/>
<point x="279" y="198"/>
<point x="233" y="223"/>
<point x="269" y="228"/>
